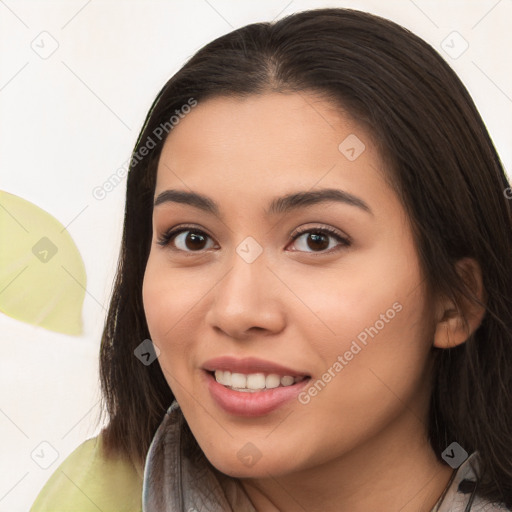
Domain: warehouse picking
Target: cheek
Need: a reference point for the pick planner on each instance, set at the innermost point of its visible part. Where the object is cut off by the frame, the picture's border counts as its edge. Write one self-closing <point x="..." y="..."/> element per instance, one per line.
<point x="378" y="364"/>
<point x="155" y="298"/>
<point x="369" y="295"/>
<point x="376" y="331"/>
<point x="169" y="297"/>
<point x="175" y="304"/>
<point x="169" y="302"/>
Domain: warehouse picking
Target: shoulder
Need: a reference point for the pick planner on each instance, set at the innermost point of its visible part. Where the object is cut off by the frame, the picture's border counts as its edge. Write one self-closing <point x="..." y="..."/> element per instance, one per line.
<point x="87" y="481"/>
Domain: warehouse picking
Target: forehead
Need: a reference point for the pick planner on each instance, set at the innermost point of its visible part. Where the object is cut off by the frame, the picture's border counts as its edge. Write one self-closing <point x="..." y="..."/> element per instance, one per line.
<point x="264" y="143"/>
<point x="271" y="122"/>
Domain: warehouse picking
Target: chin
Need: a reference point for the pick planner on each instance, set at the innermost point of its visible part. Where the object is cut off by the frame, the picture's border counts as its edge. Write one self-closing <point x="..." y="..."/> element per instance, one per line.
<point x="244" y="467"/>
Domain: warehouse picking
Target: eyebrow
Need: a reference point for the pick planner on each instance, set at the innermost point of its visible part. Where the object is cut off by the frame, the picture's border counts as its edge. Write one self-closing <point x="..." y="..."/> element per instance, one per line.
<point x="278" y="205"/>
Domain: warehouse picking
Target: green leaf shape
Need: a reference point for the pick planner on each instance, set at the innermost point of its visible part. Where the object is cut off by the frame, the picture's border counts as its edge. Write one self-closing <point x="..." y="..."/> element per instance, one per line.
<point x="42" y="274"/>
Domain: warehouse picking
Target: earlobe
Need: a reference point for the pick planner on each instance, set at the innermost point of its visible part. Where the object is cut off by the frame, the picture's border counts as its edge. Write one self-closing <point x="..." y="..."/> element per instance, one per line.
<point x="454" y="325"/>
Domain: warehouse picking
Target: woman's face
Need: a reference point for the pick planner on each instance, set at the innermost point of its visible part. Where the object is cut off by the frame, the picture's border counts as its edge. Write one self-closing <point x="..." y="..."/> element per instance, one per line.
<point x="272" y="294"/>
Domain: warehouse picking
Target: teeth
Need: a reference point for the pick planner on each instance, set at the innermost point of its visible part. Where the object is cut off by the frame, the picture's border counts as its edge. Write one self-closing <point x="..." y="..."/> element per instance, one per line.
<point x="287" y="380"/>
<point x="272" y="381"/>
<point x="238" y="380"/>
<point x="253" y="381"/>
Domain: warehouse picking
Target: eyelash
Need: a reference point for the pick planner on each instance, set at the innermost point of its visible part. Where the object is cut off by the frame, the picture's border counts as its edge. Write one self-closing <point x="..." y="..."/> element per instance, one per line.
<point x="165" y="239"/>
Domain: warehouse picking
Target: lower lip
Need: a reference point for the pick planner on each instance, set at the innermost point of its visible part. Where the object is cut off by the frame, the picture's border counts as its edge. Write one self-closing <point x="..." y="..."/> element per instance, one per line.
<point x="252" y="404"/>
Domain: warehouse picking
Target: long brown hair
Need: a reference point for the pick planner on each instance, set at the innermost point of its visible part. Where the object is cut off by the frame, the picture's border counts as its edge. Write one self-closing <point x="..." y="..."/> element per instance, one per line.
<point x="444" y="168"/>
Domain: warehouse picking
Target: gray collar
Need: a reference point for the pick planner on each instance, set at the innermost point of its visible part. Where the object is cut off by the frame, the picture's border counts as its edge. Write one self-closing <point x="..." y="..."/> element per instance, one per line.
<point x="461" y="495"/>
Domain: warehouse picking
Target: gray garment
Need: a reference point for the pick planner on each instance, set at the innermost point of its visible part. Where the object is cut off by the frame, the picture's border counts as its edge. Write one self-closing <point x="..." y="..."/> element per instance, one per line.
<point x="179" y="478"/>
<point x="455" y="500"/>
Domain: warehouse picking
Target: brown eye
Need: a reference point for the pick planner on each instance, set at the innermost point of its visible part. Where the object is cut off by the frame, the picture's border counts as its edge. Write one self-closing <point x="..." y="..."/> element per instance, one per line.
<point x="319" y="240"/>
<point x="194" y="241"/>
<point x="187" y="240"/>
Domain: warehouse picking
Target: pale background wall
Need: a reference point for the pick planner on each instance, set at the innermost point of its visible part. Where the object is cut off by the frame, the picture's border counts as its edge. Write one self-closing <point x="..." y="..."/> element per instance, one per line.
<point x="69" y="121"/>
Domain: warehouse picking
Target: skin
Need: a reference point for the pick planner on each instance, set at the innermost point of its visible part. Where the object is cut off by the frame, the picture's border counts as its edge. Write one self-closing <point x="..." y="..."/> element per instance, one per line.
<point x="361" y="443"/>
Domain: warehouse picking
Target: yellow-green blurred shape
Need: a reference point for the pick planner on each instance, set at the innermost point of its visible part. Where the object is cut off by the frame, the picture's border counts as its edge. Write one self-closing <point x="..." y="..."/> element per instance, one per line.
<point x="42" y="275"/>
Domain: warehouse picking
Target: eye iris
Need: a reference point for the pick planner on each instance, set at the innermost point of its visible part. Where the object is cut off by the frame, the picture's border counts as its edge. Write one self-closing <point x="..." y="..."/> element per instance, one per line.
<point x="320" y="241"/>
<point x="195" y="238"/>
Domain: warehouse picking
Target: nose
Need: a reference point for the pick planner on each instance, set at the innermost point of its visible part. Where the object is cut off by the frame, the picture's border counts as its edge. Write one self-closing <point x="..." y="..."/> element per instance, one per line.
<point x="247" y="301"/>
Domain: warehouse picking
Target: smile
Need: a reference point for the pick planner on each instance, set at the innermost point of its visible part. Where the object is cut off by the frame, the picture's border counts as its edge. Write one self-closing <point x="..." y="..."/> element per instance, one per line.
<point x="254" y="382"/>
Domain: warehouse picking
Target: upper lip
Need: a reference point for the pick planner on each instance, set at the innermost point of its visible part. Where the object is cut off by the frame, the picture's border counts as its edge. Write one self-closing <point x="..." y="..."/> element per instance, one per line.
<point x="250" y="365"/>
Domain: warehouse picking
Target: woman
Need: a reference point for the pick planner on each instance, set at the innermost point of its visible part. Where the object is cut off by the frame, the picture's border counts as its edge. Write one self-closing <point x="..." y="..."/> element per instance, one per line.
<point x="312" y="308"/>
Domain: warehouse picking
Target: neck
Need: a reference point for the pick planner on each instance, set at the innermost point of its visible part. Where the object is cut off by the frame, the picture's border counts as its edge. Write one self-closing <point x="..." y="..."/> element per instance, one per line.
<point x="383" y="474"/>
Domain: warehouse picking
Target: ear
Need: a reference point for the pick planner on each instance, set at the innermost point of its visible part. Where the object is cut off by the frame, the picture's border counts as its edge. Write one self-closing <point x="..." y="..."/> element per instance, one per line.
<point x="455" y="326"/>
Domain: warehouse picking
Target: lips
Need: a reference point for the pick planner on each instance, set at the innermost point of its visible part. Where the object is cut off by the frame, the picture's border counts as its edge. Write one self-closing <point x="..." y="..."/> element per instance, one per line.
<point x="260" y="401"/>
<point x="254" y="404"/>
